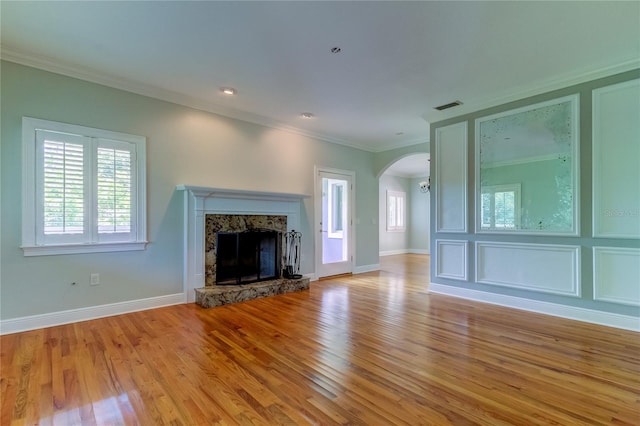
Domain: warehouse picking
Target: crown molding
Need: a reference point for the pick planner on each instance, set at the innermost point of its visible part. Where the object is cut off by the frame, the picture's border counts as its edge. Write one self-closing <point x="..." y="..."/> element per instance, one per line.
<point x="538" y="88"/>
<point x="93" y="76"/>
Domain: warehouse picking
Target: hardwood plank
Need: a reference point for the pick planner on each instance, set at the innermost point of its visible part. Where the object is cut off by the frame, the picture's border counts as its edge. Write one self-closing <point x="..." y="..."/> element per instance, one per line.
<point x="373" y="348"/>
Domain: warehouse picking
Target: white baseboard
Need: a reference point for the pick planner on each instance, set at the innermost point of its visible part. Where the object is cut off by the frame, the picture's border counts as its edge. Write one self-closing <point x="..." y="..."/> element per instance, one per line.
<point x="15" y="325"/>
<point x="419" y="251"/>
<point x="366" y="268"/>
<point x="403" y="251"/>
<point x="393" y="252"/>
<point x="570" y="312"/>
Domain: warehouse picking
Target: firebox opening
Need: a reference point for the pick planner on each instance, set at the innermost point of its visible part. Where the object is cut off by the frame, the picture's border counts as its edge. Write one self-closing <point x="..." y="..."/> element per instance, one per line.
<point x="248" y="256"/>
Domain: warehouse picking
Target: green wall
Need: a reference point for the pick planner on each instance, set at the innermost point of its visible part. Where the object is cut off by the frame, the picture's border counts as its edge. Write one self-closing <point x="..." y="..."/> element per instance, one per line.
<point x="184" y="146"/>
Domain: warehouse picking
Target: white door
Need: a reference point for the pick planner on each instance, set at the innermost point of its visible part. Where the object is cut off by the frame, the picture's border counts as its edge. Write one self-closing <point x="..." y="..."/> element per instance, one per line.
<point x="334" y="195"/>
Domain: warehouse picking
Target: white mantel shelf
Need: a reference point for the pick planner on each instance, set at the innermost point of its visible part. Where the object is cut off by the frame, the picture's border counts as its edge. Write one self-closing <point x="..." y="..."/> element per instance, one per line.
<point x="207" y="192"/>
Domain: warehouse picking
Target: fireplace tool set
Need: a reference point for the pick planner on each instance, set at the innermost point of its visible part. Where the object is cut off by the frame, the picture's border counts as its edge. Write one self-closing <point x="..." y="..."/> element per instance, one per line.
<point x="292" y="253"/>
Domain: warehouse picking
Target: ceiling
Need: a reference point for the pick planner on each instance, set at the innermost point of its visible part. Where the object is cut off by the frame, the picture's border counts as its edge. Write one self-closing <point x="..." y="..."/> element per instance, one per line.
<point x="398" y="60"/>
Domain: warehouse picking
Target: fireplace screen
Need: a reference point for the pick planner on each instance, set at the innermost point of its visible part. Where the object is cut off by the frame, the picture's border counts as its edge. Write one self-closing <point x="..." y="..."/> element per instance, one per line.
<point x="247" y="257"/>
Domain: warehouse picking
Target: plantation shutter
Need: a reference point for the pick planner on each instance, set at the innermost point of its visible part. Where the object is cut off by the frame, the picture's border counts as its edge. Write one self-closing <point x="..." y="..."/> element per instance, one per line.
<point x="62" y="174"/>
<point x="115" y="195"/>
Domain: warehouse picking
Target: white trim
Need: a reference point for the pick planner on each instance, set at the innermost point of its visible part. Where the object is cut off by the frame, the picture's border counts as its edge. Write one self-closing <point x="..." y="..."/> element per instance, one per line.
<point x="32" y="242"/>
<point x="599" y="145"/>
<point x="200" y="201"/>
<point x="574" y="251"/>
<point x="32" y="322"/>
<point x="403" y="251"/>
<point x="140" y="88"/>
<point x="525" y="91"/>
<point x="241" y="194"/>
<point x="419" y="251"/>
<point x="393" y="252"/>
<point x="50" y="249"/>
<point x="366" y="268"/>
<point x="317" y="212"/>
<point x="398" y="195"/>
<point x="575" y="162"/>
<point x="463" y="255"/>
<point x="312" y="277"/>
<point x="601" y="276"/>
<point x="608" y="319"/>
<point x="441" y="165"/>
<point x="491" y="190"/>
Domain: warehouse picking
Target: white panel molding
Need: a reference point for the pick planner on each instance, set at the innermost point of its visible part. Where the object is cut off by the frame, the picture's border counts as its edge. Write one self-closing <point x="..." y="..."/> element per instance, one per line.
<point x="541" y="268"/>
<point x="625" y="322"/>
<point x="451" y="178"/>
<point x="451" y="259"/>
<point x="616" y="275"/>
<point x="575" y="152"/>
<point x="620" y="216"/>
<point x="32" y="322"/>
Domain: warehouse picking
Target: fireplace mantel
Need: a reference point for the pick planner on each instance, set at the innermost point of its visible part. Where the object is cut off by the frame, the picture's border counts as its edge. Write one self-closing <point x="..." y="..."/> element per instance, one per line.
<point x="206" y="192"/>
<point x="200" y="201"/>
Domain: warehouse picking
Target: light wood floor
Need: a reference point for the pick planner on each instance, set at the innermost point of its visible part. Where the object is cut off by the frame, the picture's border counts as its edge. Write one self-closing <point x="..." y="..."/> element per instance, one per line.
<point x="373" y="349"/>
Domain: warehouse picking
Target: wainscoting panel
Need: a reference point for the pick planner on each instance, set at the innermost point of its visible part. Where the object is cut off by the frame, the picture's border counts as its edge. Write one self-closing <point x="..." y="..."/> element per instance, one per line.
<point x="616" y="275"/>
<point x="537" y="267"/>
<point x="616" y="150"/>
<point x="451" y="259"/>
<point x="451" y="178"/>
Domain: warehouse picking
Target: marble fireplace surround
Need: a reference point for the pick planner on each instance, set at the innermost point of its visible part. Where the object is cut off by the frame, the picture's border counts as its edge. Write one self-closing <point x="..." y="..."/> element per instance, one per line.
<point x="215" y="223"/>
<point x="200" y="201"/>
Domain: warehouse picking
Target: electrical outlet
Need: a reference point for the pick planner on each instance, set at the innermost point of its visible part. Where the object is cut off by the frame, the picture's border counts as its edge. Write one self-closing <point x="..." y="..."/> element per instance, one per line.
<point x="95" y="279"/>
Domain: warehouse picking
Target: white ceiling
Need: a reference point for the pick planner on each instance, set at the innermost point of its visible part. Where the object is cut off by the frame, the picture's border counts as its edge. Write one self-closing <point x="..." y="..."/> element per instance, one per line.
<point x="398" y="59"/>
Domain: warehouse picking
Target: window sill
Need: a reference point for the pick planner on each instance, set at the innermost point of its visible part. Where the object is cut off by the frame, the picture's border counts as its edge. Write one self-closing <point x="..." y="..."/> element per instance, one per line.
<point x="83" y="248"/>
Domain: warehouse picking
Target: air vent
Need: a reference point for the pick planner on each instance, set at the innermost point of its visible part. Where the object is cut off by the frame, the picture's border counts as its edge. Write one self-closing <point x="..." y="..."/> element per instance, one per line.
<point x="449" y="105"/>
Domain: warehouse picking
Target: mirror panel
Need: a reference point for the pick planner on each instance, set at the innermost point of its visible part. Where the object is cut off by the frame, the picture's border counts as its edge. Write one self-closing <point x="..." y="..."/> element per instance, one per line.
<point x="527" y="168"/>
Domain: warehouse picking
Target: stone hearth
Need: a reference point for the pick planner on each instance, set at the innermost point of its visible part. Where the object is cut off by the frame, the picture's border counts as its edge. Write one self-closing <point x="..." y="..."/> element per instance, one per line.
<point x="209" y="297"/>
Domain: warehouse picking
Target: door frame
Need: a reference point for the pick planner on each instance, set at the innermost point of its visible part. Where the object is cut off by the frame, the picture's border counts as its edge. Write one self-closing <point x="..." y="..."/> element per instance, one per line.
<point x="317" y="215"/>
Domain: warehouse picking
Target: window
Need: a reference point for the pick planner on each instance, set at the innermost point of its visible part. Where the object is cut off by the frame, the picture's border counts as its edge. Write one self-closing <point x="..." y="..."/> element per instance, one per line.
<point x="500" y="207"/>
<point x="337" y="207"/>
<point x="396" y="211"/>
<point x="83" y="189"/>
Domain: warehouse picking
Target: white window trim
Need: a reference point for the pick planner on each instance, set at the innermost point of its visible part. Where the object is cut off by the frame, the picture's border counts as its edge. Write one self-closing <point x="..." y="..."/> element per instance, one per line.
<point x="29" y="172"/>
<point x="398" y="195"/>
<point x="511" y="187"/>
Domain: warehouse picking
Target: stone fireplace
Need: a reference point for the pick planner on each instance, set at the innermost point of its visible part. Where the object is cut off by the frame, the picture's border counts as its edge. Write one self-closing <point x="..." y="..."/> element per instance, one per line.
<point x="243" y="246"/>
<point x="209" y="211"/>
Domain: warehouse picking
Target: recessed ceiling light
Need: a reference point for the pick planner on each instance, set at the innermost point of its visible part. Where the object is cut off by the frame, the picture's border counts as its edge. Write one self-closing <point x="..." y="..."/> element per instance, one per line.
<point x="306" y="115"/>
<point x="228" y="90"/>
<point x="336" y="50"/>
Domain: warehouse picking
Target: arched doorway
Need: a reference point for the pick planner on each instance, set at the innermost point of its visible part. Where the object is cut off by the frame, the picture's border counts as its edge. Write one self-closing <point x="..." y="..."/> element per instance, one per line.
<point x="404" y="206"/>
